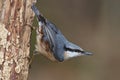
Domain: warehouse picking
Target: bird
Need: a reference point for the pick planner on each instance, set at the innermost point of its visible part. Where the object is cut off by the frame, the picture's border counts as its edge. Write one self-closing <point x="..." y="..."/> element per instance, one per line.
<point x="51" y="43"/>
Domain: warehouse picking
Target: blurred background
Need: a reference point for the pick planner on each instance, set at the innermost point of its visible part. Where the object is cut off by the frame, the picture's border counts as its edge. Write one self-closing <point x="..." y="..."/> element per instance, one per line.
<point x="92" y="24"/>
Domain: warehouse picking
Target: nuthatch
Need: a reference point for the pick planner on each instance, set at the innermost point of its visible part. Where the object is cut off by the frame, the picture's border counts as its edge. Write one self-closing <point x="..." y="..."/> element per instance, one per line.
<point x="52" y="43"/>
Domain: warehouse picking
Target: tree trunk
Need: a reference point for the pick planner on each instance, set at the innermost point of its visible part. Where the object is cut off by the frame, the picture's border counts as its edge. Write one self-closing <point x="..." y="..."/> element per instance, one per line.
<point x="15" y="15"/>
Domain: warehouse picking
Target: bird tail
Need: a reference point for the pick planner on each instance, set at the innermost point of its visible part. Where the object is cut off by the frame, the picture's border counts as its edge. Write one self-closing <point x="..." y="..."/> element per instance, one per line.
<point x="38" y="14"/>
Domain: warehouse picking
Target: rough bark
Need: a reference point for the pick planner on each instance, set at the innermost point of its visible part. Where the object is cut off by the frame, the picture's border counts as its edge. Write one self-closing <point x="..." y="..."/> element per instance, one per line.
<point x="15" y="15"/>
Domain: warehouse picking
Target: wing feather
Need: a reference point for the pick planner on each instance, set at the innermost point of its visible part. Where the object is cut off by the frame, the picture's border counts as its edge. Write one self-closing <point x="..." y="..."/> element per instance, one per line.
<point x="51" y="36"/>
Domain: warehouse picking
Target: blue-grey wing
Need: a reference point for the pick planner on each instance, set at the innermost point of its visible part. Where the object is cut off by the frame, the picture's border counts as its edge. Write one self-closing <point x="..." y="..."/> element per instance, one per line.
<point x="59" y="52"/>
<point x="55" y="39"/>
<point x="49" y="35"/>
<point x="51" y="32"/>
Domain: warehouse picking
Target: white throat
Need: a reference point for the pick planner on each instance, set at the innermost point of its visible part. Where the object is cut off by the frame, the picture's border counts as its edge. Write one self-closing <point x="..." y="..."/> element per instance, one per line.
<point x="69" y="54"/>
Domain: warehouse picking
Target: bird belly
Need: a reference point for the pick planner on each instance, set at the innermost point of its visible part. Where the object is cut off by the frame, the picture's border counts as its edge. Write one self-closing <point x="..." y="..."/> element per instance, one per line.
<point x="43" y="48"/>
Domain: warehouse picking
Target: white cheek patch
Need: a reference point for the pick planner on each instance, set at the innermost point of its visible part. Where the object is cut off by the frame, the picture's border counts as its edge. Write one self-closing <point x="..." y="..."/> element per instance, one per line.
<point x="69" y="54"/>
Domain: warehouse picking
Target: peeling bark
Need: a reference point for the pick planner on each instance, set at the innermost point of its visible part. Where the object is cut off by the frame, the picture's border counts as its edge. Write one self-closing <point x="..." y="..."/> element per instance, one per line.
<point x="15" y="15"/>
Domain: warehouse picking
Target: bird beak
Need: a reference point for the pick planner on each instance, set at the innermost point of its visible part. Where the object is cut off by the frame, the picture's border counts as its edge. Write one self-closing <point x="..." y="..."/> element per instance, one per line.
<point x="87" y="53"/>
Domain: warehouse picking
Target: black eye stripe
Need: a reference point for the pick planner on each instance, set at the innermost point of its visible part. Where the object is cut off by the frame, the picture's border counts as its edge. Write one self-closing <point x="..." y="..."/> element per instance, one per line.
<point x="73" y="50"/>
